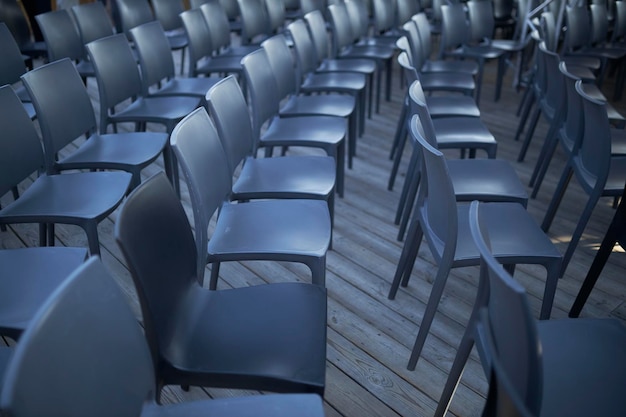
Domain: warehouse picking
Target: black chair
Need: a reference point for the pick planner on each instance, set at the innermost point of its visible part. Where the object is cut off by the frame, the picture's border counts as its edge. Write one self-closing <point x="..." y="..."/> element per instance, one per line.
<point x="83" y="199"/>
<point x="85" y="355"/>
<point x="265" y="337"/>
<point x="66" y="113"/>
<point x="573" y="367"/>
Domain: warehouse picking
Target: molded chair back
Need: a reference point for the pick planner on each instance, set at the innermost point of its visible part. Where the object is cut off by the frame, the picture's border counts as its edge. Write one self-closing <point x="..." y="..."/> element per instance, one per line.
<point x="276" y="15"/>
<point x="168" y="13"/>
<point x="217" y="22"/>
<point x="155" y="55"/>
<point x="61" y="35"/>
<point x="12" y="15"/>
<point x="319" y="35"/>
<point x="406" y="9"/>
<point x="255" y="21"/>
<point x="281" y="61"/>
<point x="84" y="354"/>
<point x="13" y="65"/>
<point x="93" y="21"/>
<point x="134" y="13"/>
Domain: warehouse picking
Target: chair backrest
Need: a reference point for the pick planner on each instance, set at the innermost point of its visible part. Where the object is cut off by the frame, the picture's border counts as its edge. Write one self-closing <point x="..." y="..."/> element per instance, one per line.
<point x="578" y="27"/>
<point x="156" y="240"/>
<point x="547" y="27"/>
<point x="168" y="13"/>
<point x="254" y="20"/>
<point x="195" y="4"/>
<point x="305" y="52"/>
<point x="83" y="354"/>
<point x="307" y="6"/>
<point x="63" y="106"/>
<point x="454" y="26"/>
<point x="13" y="65"/>
<point x="619" y="24"/>
<point x="403" y="45"/>
<point x="358" y="17"/>
<point x="415" y="43"/>
<point x="554" y="88"/>
<point x="229" y="111"/>
<point x="599" y="24"/>
<point x="134" y="13"/>
<point x="593" y="156"/>
<point x="231" y="7"/>
<point x="217" y="22"/>
<point x="276" y="15"/>
<point x="319" y="36"/>
<point x="116" y="71"/>
<point x="406" y="9"/>
<point x="481" y="19"/>
<point x="509" y="328"/>
<point x="207" y="173"/>
<point x="199" y="35"/>
<point x="93" y="21"/>
<point x="384" y="15"/>
<point x="61" y="35"/>
<point x="410" y="74"/>
<point x="417" y="103"/>
<point x="423" y="29"/>
<point x="21" y="153"/>
<point x="263" y="89"/>
<point x="155" y="55"/>
<point x="436" y="201"/>
<point x="281" y="62"/>
<point x="11" y="14"/>
<point x="572" y="130"/>
<point x="340" y="26"/>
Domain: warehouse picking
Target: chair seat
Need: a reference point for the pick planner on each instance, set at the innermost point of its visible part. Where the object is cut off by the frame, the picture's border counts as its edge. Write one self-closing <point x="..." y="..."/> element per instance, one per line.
<point x="241" y="334"/>
<point x="116" y="151"/>
<point x="599" y="351"/>
<point x="618" y="142"/>
<point x="156" y="109"/>
<point x="447" y="81"/>
<point x="451" y="106"/>
<point x="603" y="53"/>
<point x="239" y="50"/>
<point x="79" y="197"/>
<point x="295" y="131"/>
<point x="177" y="40"/>
<point x="193" y="86"/>
<point x="590" y="62"/>
<point x="467" y="67"/>
<point x="464" y="132"/>
<point x="291" y="177"/>
<point x="219" y="63"/>
<point x="486" y="180"/>
<point x="277" y="228"/>
<point x="284" y="405"/>
<point x="85" y="68"/>
<point x="368" y="51"/>
<point x="340" y="82"/>
<point x="29" y="276"/>
<point x="364" y="66"/>
<point x="503" y="220"/>
<point x="340" y="105"/>
<point x="479" y="52"/>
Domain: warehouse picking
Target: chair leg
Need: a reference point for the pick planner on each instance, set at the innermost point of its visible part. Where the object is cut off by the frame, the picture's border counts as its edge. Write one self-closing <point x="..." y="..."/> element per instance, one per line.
<point x="318" y="271"/>
<point x="524" y="116"/>
<point x="413" y="186"/>
<point x="215" y="273"/>
<point x="412" y="244"/>
<point x="540" y="171"/>
<point x="340" y="158"/>
<point x="91" y="229"/>
<point x="352" y="121"/>
<point x="547" y="142"/>
<point x="557" y="197"/>
<point x="479" y="81"/>
<point x="580" y="228"/>
<point x="552" y="279"/>
<point x="408" y="180"/>
<point x="529" y="134"/>
<point x="400" y="127"/>
<point x="429" y="313"/>
<point x="399" y="149"/>
<point x="500" y="76"/>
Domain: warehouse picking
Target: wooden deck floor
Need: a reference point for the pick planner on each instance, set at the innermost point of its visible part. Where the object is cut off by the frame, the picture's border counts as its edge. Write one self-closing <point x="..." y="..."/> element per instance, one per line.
<point x="369" y="336"/>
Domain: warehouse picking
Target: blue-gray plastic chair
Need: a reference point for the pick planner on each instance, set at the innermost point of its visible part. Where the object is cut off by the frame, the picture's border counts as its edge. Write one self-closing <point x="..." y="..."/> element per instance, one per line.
<point x="13" y="67"/>
<point x="82" y="199"/>
<point x="444" y="224"/>
<point x="599" y="173"/>
<point x="66" y="114"/>
<point x="158" y="73"/>
<point x="63" y="40"/>
<point x="264" y="337"/>
<point x="294" y="230"/>
<point x="12" y="15"/>
<point x="295" y="105"/>
<point x="92" y="21"/>
<point x="316" y="131"/>
<point x="216" y="18"/>
<point x="86" y="355"/>
<point x="29" y="276"/>
<point x="255" y="21"/>
<point x="573" y="367"/>
<point x="302" y="177"/>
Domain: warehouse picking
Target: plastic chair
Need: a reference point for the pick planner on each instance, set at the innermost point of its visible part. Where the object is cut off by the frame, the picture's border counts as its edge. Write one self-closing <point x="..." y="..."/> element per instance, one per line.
<point x="317" y="131"/>
<point x="473" y="179"/>
<point x="217" y="21"/>
<point x="438" y="106"/>
<point x="29" y="276"/>
<point x="65" y="114"/>
<point x="312" y="82"/>
<point x="137" y="12"/>
<point x="573" y="367"/>
<point x="88" y="321"/>
<point x="293" y="230"/>
<point x="444" y="224"/>
<point x="343" y="47"/>
<point x="11" y="14"/>
<point x="300" y="177"/>
<point x="255" y="21"/>
<point x="264" y="337"/>
<point x="599" y="173"/>
<point x="157" y="65"/>
<point x="63" y="40"/>
<point x="13" y="67"/>
<point x="82" y="199"/>
<point x="119" y="80"/>
<point x="295" y="105"/>
<point x="437" y="65"/>
<point x="456" y="42"/>
<point x="93" y="21"/>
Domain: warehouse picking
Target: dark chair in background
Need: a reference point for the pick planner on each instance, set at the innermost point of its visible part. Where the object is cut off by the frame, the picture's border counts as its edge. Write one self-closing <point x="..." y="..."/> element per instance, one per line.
<point x="13" y="67"/>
